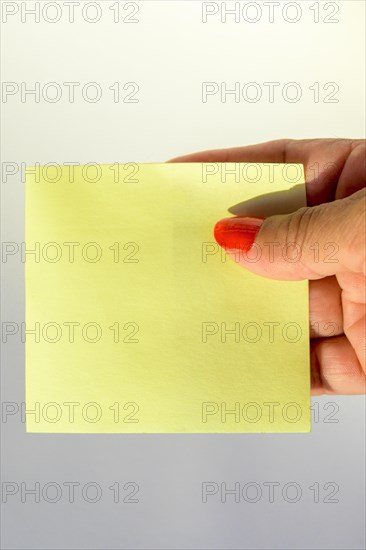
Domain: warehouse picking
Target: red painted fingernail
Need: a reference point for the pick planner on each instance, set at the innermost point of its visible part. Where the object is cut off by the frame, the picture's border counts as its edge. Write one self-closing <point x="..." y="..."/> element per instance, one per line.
<point x="237" y="233"/>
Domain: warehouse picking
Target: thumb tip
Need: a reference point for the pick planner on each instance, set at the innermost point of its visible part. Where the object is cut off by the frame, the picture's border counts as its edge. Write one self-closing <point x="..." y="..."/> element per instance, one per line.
<point x="237" y="233"/>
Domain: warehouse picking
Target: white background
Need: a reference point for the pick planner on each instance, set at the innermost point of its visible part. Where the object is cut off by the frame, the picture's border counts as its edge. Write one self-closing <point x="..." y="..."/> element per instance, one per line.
<point x="169" y="52"/>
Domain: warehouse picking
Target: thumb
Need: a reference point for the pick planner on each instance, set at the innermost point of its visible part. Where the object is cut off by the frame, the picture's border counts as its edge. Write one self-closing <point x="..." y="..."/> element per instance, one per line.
<point x="311" y="243"/>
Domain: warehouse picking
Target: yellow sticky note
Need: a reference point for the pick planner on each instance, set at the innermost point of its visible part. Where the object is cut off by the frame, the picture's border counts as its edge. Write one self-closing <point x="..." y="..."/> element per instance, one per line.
<point x="138" y="322"/>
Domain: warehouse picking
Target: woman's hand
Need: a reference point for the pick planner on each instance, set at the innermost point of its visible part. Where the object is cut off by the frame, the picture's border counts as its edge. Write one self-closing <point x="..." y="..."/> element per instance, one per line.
<point x="331" y="236"/>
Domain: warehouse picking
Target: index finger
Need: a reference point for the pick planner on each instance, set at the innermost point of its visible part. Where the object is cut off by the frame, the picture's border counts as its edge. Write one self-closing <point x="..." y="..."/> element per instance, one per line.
<point x="323" y="160"/>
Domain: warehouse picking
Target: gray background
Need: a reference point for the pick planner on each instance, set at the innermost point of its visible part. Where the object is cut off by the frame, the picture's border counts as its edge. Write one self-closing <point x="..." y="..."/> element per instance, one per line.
<point x="169" y="52"/>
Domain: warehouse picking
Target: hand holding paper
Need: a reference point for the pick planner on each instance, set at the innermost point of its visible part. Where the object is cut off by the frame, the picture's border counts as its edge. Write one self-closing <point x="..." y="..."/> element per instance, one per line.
<point x="328" y="243"/>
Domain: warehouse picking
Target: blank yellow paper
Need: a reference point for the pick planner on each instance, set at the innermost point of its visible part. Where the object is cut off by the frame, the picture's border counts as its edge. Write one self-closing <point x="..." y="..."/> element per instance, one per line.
<point x="140" y="321"/>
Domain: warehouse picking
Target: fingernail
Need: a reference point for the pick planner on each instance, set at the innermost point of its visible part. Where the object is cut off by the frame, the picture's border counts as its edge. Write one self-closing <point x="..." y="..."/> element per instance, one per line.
<point x="237" y="233"/>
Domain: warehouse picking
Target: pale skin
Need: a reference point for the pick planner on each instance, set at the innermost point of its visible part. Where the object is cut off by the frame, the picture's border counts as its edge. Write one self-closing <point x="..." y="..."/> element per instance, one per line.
<point x="334" y="169"/>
